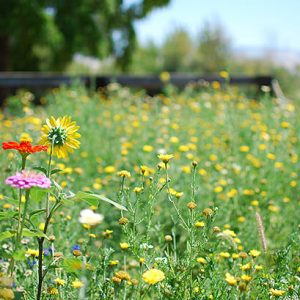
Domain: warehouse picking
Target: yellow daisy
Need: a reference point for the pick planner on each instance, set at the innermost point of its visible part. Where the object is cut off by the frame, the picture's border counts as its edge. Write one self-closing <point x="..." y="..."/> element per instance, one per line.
<point x="153" y="276"/>
<point x="62" y="134"/>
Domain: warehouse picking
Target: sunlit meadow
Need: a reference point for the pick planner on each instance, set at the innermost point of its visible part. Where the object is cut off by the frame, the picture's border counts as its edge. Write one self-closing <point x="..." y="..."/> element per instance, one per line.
<point x="186" y="195"/>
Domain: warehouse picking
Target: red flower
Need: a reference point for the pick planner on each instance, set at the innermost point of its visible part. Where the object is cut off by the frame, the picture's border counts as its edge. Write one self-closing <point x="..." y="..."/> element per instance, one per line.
<point x="24" y="147"/>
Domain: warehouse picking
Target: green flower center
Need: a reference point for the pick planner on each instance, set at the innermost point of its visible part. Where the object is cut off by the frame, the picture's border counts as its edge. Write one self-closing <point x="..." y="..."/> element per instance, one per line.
<point x="57" y="136"/>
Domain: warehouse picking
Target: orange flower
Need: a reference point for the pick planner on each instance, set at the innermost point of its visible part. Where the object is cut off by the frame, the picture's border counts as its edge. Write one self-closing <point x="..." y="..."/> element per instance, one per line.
<point x="24" y="147"/>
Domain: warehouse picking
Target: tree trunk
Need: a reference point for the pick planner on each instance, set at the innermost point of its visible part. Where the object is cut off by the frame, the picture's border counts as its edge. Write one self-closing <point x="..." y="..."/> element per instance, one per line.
<point x="4" y="63"/>
<point x="4" y="53"/>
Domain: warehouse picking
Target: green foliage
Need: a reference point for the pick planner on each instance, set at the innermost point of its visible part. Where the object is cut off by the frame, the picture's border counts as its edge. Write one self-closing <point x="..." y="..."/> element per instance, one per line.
<point x="177" y="51"/>
<point x="233" y="157"/>
<point x="213" y="49"/>
<point x="209" y="52"/>
<point x="44" y="35"/>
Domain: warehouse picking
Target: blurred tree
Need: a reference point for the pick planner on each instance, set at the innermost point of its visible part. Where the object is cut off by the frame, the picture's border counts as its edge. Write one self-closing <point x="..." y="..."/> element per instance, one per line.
<point x="213" y="49"/>
<point x="177" y="51"/>
<point x="45" y="34"/>
<point x="146" y="59"/>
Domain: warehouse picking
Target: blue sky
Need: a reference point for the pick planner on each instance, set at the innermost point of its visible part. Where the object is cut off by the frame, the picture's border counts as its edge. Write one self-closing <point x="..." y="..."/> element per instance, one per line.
<point x="249" y="23"/>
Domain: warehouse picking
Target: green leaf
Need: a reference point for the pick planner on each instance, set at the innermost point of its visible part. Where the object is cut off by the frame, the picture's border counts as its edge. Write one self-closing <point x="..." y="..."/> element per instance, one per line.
<point x="42" y="169"/>
<point x="6" y="235"/>
<point x="36" y="213"/>
<point x="72" y="265"/>
<point x="58" y="187"/>
<point x="67" y="201"/>
<point x="11" y="200"/>
<point x="19" y="255"/>
<point x="94" y="199"/>
<point x="37" y="194"/>
<point x="54" y="171"/>
<point x="33" y="233"/>
<point x="7" y="215"/>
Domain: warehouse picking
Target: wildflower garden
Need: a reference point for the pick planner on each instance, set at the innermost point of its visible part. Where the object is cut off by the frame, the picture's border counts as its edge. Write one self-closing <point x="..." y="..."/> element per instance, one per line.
<point x="191" y="194"/>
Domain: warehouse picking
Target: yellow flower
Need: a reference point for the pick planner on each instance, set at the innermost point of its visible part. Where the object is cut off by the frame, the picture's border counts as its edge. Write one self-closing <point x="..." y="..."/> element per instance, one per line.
<point x="191" y="205"/>
<point x="229" y="232"/>
<point x="7" y="205"/>
<point x="241" y="219"/>
<point x="6" y="294"/>
<point x="202" y="172"/>
<point x="124" y="246"/>
<point x="285" y="124"/>
<point x="218" y="189"/>
<point x="254" y="253"/>
<point x="52" y="291"/>
<point x="244" y="148"/>
<point x="224" y="74"/>
<point x="200" y="224"/>
<point x="245" y="267"/>
<point x="201" y="260"/>
<point x="124" y="173"/>
<point x="122" y="275"/>
<point x="77" y="284"/>
<point x="234" y="256"/>
<point x="164" y="76"/>
<point x="213" y="157"/>
<point x="153" y="276"/>
<point x="107" y="233"/>
<point x="246" y="278"/>
<point x="32" y="252"/>
<point x="25" y="137"/>
<point x="109" y="169"/>
<point x="224" y="254"/>
<point x="137" y="189"/>
<point x="165" y="158"/>
<point x="293" y="183"/>
<point x="141" y="260"/>
<point x="274" y="208"/>
<point x="216" y="85"/>
<point x="62" y="133"/>
<point x="59" y="281"/>
<point x="254" y="203"/>
<point x="113" y="262"/>
<point x="230" y="279"/>
<point x="275" y="292"/>
<point x="148" y="148"/>
<point x="271" y="156"/>
<point x="183" y="148"/>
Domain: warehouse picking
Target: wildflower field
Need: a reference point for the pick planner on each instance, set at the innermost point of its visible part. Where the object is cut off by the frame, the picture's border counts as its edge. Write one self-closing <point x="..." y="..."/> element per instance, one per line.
<point x="118" y="195"/>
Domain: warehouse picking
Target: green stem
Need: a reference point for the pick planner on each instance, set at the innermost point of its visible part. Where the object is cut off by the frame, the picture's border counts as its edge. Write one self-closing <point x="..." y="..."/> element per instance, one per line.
<point x="23" y="162"/>
<point x="193" y="184"/>
<point x="19" y="218"/>
<point x="49" y="175"/>
<point x="27" y="193"/>
<point x="125" y="268"/>
<point x="172" y="201"/>
<point x="41" y="274"/>
<point x="17" y="240"/>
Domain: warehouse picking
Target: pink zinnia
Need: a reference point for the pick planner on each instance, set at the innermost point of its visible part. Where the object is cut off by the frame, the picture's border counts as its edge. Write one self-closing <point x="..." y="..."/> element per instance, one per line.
<point x="28" y="179"/>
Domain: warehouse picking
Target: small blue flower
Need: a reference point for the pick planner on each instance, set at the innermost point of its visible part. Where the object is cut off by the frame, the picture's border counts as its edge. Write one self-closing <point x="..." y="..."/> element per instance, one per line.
<point x="31" y="263"/>
<point x="48" y="251"/>
<point x="75" y="247"/>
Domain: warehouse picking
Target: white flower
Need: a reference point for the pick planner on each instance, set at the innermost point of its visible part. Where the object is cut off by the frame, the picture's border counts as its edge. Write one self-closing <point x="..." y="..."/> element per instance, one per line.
<point x="146" y="246"/>
<point x="87" y="216"/>
<point x="163" y="260"/>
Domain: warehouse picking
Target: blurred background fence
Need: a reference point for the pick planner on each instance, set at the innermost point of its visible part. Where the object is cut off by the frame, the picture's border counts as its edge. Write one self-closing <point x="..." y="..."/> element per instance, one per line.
<point x="38" y="82"/>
